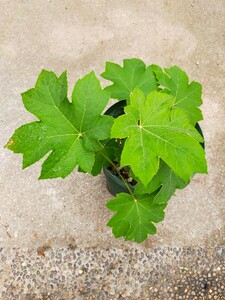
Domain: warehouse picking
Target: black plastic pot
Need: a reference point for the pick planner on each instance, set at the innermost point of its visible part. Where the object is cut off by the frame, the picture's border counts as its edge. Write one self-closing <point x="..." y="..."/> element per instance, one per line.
<point x="116" y="109"/>
<point x="115" y="185"/>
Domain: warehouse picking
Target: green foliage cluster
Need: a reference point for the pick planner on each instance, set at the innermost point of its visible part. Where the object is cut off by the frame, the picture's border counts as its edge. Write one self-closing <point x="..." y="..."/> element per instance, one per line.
<point x="155" y="138"/>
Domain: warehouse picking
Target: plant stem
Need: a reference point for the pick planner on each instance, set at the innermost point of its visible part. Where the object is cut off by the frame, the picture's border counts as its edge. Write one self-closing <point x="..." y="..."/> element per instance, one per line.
<point x="118" y="172"/>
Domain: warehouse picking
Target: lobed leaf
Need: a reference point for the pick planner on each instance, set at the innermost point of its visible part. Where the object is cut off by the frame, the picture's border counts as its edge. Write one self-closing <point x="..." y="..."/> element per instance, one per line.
<point x="69" y="132"/>
<point x="154" y="130"/>
<point x="134" y="218"/>
<point x="134" y="73"/>
<point x="165" y="181"/>
<point x="187" y="96"/>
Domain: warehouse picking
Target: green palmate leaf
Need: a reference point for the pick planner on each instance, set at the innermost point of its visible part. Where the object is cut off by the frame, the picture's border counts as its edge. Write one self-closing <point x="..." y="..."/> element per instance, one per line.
<point x="166" y="180"/>
<point x="135" y="217"/>
<point x="187" y="96"/>
<point x="134" y="73"/>
<point x="154" y="130"/>
<point x="68" y="131"/>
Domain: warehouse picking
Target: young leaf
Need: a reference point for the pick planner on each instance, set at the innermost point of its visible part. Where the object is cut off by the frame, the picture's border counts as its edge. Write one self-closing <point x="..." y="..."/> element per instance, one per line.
<point x="135" y="217"/>
<point x="69" y="131"/>
<point x="188" y="96"/>
<point x="153" y="130"/>
<point x="166" y="179"/>
<point x="134" y="73"/>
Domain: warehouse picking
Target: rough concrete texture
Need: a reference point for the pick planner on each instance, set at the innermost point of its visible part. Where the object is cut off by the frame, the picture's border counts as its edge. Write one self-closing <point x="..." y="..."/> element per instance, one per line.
<point x="114" y="274"/>
<point x="79" y="36"/>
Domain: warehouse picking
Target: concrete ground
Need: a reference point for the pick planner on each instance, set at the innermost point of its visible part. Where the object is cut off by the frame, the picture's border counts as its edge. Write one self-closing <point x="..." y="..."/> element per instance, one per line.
<point x="45" y="216"/>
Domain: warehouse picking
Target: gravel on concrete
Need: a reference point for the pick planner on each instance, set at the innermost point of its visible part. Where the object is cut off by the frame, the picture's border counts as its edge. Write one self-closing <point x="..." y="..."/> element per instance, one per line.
<point x="67" y="273"/>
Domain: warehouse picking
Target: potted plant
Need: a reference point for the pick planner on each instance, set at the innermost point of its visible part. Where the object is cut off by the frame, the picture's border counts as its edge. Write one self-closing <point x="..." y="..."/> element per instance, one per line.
<point x="147" y="142"/>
